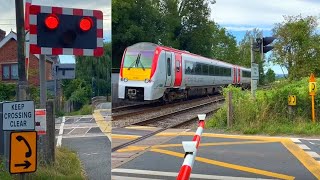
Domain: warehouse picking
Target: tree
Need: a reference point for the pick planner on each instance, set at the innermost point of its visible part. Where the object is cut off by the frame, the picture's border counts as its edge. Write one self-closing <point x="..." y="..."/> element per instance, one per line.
<point x="88" y="70"/>
<point x="270" y="76"/>
<point x="134" y="21"/>
<point x="297" y="46"/>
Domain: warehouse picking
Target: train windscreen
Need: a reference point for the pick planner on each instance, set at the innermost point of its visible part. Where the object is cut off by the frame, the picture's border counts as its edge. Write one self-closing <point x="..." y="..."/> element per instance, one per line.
<point x="138" y="59"/>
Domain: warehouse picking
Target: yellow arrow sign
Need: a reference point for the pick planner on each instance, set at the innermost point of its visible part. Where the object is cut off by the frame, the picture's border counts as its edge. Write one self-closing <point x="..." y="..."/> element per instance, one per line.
<point x="312" y="88"/>
<point x="292" y="100"/>
<point x="23" y="152"/>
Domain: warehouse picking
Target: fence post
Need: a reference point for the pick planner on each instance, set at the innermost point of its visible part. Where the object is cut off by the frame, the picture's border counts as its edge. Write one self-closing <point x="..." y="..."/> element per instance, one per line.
<point x="50" y="137"/>
<point x="230" y="110"/>
<point x="190" y="148"/>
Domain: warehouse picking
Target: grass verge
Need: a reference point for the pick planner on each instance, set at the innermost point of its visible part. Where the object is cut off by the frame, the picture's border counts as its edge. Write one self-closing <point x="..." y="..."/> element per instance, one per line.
<point x="268" y="112"/>
<point x="85" y="110"/>
<point x="67" y="166"/>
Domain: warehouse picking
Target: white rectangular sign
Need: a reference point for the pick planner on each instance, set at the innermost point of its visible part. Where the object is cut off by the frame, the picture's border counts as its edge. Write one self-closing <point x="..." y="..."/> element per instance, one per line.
<point x="41" y="121"/>
<point x="18" y="115"/>
<point x="64" y="71"/>
<point x="254" y="71"/>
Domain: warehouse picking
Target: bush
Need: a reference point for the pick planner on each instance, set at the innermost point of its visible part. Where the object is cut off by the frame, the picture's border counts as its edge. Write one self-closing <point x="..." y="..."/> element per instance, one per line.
<point x="268" y="112"/>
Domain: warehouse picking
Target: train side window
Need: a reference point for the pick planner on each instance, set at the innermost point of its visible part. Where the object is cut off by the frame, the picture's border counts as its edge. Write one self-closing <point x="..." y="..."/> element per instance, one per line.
<point x="189" y="67"/>
<point x="169" y="66"/>
<point x="178" y="66"/>
<point x="205" y="69"/>
<point x="211" y="70"/>
<point x="198" y="69"/>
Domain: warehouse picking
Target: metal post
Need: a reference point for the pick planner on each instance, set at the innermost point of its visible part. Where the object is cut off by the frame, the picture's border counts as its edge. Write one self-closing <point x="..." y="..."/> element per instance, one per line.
<point x="253" y="91"/>
<point x="43" y="88"/>
<point x="50" y="147"/>
<point x="230" y="110"/>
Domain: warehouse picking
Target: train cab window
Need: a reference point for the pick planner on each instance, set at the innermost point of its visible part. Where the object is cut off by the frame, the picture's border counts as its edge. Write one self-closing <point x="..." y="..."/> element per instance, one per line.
<point x="168" y="66"/>
<point x="178" y="66"/>
<point x="189" y="68"/>
<point x="205" y="69"/>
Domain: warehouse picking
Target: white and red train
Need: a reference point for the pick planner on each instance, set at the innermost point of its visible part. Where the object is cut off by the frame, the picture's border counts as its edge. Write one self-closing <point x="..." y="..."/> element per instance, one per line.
<point x="152" y="72"/>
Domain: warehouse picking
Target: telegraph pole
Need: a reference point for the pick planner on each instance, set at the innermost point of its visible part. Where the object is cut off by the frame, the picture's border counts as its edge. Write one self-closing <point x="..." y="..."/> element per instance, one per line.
<point x="253" y="81"/>
<point x="22" y="83"/>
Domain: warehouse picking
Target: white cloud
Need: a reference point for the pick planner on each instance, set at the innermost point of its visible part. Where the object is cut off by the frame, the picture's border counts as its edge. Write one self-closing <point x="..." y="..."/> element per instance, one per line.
<point x="239" y="14"/>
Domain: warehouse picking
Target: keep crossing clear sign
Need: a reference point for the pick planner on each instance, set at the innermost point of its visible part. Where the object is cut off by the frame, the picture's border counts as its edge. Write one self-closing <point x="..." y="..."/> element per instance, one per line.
<point x="18" y="115"/>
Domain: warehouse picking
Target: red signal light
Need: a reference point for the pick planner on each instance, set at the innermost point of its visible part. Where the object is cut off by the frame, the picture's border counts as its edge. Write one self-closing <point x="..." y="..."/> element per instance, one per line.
<point x="52" y="21"/>
<point x="85" y="24"/>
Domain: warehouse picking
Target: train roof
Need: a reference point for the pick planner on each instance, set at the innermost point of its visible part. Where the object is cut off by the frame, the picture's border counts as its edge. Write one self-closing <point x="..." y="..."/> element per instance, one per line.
<point x="148" y="44"/>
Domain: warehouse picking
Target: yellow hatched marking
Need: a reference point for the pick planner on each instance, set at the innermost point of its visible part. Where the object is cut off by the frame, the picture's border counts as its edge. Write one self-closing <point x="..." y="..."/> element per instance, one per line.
<point x="104" y="126"/>
<point x="123" y="136"/>
<point x="227" y="165"/>
<point x="311" y="164"/>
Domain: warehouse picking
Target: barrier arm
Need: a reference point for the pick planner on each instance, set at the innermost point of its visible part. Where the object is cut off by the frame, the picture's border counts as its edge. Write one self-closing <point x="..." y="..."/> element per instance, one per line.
<point x="190" y="148"/>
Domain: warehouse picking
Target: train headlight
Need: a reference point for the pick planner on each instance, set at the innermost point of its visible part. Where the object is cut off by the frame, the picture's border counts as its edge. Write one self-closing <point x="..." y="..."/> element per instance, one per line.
<point x="147" y="80"/>
<point x="125" y="79"/>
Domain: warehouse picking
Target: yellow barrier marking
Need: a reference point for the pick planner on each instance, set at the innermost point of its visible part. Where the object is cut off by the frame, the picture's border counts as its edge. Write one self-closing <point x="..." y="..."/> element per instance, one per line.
<point x="312" y="165"/>
<point x="214" y="144"/>
<point x="123" y="136"/>
<point x="227" y="165"/>
<point x="104" y="126"/>
<point x="133" y="148"/>
<point x="264" y="138"/>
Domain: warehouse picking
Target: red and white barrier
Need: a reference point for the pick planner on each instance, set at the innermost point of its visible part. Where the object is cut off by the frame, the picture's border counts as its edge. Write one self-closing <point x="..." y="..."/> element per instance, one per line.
<point x="190" y="148"/>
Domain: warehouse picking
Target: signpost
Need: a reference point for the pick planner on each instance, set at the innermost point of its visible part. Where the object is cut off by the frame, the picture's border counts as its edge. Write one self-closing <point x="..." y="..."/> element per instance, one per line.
<point x="41" y="121"/>
<point x="312" y="93"/>
<point x="18" y="115"/>
<point x="23" y="152"/>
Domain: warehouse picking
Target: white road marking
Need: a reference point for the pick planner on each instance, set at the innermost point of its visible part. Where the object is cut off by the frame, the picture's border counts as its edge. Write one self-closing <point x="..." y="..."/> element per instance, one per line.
<point x="61" y="132"/>
<point x="295" y="140"/>
<point x="313" y="154"/>
<point x="303" y="146"/>
<point x="174" y="174"/>
<point x="130" y="178"/>
<point x="84" y="136"/>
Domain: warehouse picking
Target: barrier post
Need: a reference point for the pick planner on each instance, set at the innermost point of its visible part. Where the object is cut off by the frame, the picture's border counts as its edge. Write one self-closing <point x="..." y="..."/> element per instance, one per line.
<point x="190" y="148"/>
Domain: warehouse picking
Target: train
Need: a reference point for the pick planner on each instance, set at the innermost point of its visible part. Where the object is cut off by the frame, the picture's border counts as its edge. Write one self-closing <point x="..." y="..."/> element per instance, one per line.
<point x="152" y="72"/>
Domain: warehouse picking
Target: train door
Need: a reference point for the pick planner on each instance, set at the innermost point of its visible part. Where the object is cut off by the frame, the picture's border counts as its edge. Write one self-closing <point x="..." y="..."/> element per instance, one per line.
<point x="234" y="75"/>
<point x="178" y="70"/>
<point x="239" y="75"/>
<point x="169" y="69"/>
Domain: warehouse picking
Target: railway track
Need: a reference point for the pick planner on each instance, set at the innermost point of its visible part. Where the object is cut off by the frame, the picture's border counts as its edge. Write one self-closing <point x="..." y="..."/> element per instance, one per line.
<point x="133" y="110"/>
<point x="166" y="121"/>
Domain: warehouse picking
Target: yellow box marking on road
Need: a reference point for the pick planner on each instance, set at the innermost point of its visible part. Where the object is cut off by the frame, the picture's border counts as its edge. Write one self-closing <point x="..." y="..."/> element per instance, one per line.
<point x="133" y="148"/>
<point x="262" y="138"/>
<point x="124" y="136"/>
<point x="227" y="165"/>
<point x="311" y="164"/>
<point x="215" y="144"/>
<point x="104" y="125"/>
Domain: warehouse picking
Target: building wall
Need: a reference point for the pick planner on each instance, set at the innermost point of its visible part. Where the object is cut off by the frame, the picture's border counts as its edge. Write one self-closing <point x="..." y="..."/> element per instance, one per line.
<point x="8" y="54"/>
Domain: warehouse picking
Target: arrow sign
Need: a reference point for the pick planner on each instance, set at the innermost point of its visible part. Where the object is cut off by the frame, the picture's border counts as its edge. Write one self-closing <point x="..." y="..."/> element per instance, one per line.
<point x="26" y="165"/>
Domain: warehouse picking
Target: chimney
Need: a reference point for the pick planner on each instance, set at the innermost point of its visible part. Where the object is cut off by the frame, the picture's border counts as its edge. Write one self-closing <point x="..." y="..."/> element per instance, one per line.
<point x="2" y="34"/>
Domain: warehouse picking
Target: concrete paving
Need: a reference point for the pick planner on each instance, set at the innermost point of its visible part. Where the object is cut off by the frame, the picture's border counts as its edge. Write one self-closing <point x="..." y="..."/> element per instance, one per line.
<point x="89" y="137"/>
<point x="220" y="156"/>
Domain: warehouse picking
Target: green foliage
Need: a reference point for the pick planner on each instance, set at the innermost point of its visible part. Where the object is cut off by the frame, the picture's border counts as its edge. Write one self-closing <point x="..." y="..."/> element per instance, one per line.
<point x="85" y="110"/>
<point x="67" y="166"/>
<point x="268" y="112"/>
<point x="93" y="78"/>
<point x="4" y="174"/>
<point x="270" y="76"/>
<point x="297" y="46"/>
<point x="181" y="24"/>
<point x="7" y="92"/>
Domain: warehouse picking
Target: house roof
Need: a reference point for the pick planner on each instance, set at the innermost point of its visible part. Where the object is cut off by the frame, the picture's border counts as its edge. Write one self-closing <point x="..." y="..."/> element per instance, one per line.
<point x="13" y="35"/>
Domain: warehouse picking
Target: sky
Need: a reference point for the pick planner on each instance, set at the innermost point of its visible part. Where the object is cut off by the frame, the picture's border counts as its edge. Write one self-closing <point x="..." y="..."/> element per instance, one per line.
<point x="238" y="16"/>
<point x="7" y="18"/>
